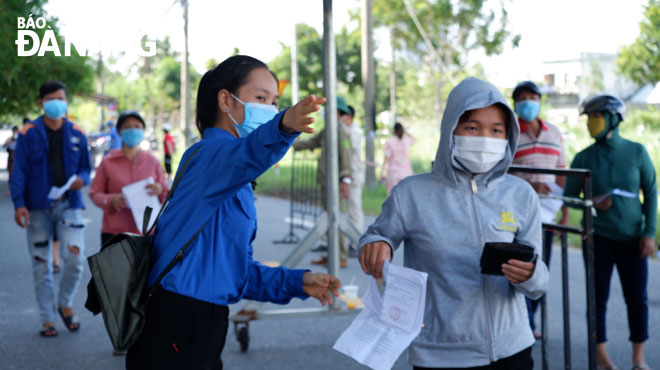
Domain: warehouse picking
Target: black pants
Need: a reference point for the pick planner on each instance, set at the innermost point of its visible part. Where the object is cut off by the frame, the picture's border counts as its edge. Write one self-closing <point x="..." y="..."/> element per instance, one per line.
<point x="520" y="361"/>
<point x="180" y="333"/>
<point x="633" y="273"/>
<point x="168" y="164"/>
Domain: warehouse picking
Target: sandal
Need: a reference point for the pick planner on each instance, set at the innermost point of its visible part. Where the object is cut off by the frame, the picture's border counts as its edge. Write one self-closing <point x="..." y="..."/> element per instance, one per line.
<point x="70" y="322"/>
<point x="48" y="331"/>
<point x="641" y="367"/>
<point x="56" y="268"/>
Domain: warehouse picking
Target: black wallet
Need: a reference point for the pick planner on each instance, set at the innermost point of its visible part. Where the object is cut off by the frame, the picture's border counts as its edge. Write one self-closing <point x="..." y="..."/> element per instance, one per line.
<point x="496" y="254"/>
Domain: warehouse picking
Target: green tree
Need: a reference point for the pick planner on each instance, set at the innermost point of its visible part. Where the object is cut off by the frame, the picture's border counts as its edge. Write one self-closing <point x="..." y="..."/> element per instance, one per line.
<point x="22" y="76"/>
<point x="310" y="62"/>
<point x="640" y="61"/>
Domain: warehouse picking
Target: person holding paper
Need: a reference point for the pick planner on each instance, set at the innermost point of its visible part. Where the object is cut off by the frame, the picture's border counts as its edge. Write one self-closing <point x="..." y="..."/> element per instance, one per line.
<point x="445" y="218"/>
<point x="51" y="157"/>
<point x="122" y="167"/>
<point x="540" y="145"/>
<point x="624" y="226"/>
<point x="243" y="135"/>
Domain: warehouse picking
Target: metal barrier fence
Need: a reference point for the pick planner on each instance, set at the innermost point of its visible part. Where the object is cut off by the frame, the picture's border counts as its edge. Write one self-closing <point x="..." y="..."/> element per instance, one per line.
<point x="305" y="195"/>
<point x="586" y="203"/>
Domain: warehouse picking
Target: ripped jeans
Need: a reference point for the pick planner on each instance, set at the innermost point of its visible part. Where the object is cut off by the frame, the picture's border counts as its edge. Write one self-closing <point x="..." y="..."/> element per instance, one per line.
<point x="68" y="224"/>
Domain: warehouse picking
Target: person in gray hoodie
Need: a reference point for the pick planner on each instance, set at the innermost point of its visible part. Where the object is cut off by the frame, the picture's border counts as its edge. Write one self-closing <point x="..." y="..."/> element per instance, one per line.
<point x="445" y="217"/>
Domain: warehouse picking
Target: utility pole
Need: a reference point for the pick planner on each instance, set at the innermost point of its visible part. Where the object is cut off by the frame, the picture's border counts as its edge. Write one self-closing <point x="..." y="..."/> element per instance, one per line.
<point x="294" y="67"/>
<point x="393" y="109"/>
<point x="185" y="78"/>
<point x="369" y="85"/>
<point x="331" y="146"/>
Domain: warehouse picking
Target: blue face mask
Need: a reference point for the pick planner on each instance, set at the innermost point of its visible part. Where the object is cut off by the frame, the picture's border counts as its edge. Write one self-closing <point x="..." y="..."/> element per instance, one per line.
<point x="132" y="137"/>
<point x="528" y="110"/>
<point x="55" y="108"/>
<point x="255" y="115"/>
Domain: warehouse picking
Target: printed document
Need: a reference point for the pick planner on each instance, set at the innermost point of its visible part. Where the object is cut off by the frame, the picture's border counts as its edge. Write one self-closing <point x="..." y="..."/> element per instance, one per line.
<point x="551" y="205"/>
<point x="390" y="321"/>
<point x="138" y="199"/>
<point x="56" y="192"/>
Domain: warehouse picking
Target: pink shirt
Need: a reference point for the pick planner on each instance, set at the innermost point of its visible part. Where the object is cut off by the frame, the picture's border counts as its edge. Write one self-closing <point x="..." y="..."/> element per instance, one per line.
<point x="397" y="164"/>
<point x="115" y="172"/>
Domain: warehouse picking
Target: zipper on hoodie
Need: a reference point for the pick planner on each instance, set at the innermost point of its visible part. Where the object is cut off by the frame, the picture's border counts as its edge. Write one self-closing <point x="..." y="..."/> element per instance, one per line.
<point x="489" y="339"/>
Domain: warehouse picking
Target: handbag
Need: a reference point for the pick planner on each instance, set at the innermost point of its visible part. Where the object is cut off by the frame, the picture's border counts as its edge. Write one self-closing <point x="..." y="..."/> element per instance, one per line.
<point x="496" y="254"/>
<point x="118" y="288"/>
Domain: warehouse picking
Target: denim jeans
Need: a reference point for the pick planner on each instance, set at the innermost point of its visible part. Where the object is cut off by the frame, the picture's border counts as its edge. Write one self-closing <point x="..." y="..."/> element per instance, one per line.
<point x="68" y="224"/>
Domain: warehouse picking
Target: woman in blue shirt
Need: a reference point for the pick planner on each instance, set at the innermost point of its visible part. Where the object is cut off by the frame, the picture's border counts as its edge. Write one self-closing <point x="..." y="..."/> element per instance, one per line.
<point x="242" y="136"/>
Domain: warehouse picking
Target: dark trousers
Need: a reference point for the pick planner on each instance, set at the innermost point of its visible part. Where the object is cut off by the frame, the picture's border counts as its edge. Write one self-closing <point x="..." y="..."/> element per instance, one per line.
<point x="520" y="361"/>
<point x="633" y="273"/>
<point x="180" y="333"/>
<point x="168" y="164"/>
<point x="533" y="304"/>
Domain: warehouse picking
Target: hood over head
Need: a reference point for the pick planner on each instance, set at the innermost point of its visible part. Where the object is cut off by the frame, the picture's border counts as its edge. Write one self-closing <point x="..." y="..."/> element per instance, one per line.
<point x="471" y="94"/>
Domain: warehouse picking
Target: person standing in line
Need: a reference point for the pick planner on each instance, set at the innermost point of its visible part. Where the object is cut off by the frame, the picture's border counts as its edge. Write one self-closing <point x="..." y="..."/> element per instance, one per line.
<point x="51" y="152"/>
<point x="540" y="145"/>
<point x="344" y="166"/>
<point x="396" y="165"/>
<point x="168" y="148"/>
<point x="624" y="226"/>
<point x="123" y="167"/>
<point x="446" y="217"/>
<point x="355" y="213"/>
<point x="243" y="135"/>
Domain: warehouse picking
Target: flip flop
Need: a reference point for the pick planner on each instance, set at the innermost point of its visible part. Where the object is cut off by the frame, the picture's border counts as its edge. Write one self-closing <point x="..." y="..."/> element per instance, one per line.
<point x="641" y="367"/>
<point x="48" y="331"/>
<point x="70" y="322"/>
<point x="56" y="268"/>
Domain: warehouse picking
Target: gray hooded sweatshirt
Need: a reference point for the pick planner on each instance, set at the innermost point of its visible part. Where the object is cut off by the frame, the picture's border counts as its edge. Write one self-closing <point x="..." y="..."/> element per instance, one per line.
<point x="444" y="219"/>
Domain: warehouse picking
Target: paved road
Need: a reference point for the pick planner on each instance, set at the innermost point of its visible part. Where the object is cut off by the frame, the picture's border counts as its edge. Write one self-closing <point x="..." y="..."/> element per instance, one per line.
<point x="286" y="343"/>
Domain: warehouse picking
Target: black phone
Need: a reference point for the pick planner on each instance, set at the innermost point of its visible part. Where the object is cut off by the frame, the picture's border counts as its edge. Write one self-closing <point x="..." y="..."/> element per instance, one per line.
<point x="498" y="253"/>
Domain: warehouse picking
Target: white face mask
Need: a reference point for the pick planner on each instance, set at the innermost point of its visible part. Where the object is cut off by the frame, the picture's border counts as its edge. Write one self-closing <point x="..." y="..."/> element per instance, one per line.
<point x="479" y="154"/>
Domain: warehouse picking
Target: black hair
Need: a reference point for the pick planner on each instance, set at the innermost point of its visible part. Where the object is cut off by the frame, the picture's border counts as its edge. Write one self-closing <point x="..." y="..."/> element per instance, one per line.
<point x="129" y="113"/>
<point x="50" y="87"/>
<point x="351" y="111"/>
<point x="398" y="128"/>
<point x="26" y="120"/>
<point x="229" y="75"/>
<point x="14" y="128"/>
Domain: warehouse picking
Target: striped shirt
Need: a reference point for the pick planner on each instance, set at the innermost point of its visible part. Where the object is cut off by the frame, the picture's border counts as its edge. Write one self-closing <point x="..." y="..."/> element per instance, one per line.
<point x="543" y="151"/>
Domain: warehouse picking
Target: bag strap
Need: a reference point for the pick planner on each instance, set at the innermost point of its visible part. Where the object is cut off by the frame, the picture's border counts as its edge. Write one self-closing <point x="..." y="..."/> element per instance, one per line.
<point x="147" y="217"/>
<point x="148" y="210"/>
<point x="175" y="260"/>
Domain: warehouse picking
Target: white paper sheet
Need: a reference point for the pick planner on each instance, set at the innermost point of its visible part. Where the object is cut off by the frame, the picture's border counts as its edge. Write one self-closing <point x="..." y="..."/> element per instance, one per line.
<point x="377" y="341"/>
<point x="550" y="206"/>
<point x="56" y="192"/>
<point x="138" y="199"/>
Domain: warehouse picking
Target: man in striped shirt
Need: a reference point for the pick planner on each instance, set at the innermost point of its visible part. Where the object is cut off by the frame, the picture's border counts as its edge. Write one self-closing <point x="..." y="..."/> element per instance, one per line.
<point x="540" y="145"/>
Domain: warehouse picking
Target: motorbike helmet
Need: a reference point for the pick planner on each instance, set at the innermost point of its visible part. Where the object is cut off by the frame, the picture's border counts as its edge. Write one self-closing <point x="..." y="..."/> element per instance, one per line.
<point x="604" y="103"/>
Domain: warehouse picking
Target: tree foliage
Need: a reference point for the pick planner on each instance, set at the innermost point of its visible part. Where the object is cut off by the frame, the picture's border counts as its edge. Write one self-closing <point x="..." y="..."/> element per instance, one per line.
<point x="20" y="77"/>
<point x="641" y="60"/>
<point x="453" y="27"/>
<point x="310" y="62"/>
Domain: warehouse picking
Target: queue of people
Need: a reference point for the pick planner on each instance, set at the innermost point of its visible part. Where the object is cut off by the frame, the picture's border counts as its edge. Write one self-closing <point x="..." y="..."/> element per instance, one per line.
<point x="471" y="320"/>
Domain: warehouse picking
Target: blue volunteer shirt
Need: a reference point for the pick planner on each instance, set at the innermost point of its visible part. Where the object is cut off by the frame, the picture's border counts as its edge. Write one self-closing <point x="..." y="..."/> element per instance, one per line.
<point x="218" y="266"/>
<point x="32" y="177"/>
